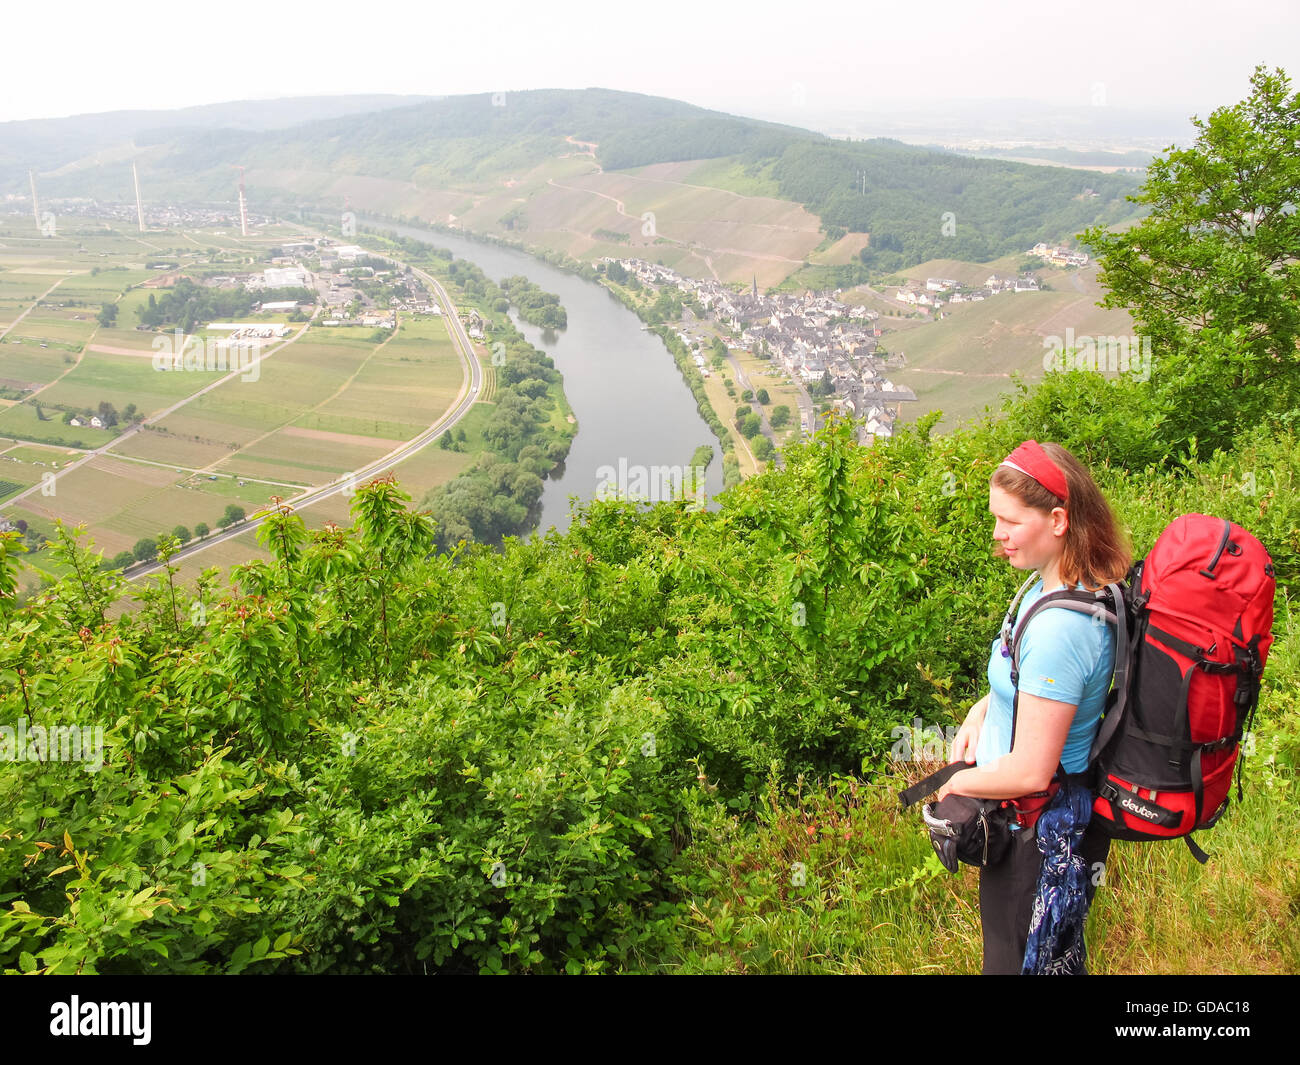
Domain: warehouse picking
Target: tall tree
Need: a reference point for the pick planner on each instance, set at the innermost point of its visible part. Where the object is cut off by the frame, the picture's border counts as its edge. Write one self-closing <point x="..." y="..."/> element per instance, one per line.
<point x="1211" y="275"/>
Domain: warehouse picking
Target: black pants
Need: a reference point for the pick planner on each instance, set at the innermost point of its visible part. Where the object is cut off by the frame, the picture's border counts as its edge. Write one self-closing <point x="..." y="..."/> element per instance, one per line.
<point x="1007" y="893"/>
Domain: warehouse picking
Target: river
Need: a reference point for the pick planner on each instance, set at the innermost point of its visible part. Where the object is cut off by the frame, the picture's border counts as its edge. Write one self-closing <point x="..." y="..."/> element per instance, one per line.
<point x="634" y="411"/>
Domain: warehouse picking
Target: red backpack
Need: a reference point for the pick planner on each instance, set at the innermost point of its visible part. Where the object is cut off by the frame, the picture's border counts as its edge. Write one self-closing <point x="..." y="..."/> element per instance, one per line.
<point x="1192" y="635"/>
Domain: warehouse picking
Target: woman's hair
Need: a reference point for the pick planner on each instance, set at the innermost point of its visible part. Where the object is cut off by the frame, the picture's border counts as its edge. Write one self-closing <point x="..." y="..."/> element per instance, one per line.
<point x="1096" y="550"/>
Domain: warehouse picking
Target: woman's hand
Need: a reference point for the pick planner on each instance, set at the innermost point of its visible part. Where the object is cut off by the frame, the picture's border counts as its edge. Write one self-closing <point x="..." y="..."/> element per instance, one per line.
<point x="947" y="788"/>
<point x="1041" y="730"/>
<point x="967" y="739"/>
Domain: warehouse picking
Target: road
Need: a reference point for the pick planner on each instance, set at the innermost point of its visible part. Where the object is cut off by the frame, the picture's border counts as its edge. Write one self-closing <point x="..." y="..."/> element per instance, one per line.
<point x="804" y="403"/>
<point x="36" y="303"/>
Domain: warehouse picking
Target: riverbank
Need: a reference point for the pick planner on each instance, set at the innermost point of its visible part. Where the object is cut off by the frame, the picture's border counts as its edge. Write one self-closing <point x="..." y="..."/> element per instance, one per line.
<point x="627" y="398"/>
<point x="690" y="375"/>
<point x="731" y="473"/>
<point x="523" y="428"/>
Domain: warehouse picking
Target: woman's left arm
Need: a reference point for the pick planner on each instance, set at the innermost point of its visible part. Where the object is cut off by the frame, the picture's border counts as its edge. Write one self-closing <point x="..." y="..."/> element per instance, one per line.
<point x="1042" y="726"/>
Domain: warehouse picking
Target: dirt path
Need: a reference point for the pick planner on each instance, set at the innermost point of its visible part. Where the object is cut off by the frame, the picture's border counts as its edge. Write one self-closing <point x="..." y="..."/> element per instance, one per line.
<point x="172" y="466"/>
<point x="108" y="349"/>
<point x="340" y="438"/>
<point x="954" y="373"/>
<point x="592" y="192"/>
<point x="10" y="328"/>
<point x="588" y="147"/>
<point x="1070" y="314"/>
<point x="87" y="346"/>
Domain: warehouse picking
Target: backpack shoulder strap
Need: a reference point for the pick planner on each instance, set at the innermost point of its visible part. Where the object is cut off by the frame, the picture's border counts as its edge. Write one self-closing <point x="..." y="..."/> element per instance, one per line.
<point x="1100" y="603"/>
<point x="1123" y="663"/>
<point x="1106" y="603"/>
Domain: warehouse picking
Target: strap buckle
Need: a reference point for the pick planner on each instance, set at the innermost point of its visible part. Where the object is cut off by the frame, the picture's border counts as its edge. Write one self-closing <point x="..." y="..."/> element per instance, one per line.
<point x="944" y="827"/>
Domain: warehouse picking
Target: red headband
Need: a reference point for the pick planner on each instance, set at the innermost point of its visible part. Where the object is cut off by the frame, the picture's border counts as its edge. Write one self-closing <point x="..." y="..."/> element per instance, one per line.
<point x="1032" y="460"/>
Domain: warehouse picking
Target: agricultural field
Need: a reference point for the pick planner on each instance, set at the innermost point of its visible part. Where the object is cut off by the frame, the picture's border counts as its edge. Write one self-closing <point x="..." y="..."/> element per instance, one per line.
<point x="28" y="364"/>
<point x="739" y="235"/>
<point x="23" y="465"/>
<point x="320" y="404"/>
<point x="712" y="218"/>
<point x="724" y="405"/>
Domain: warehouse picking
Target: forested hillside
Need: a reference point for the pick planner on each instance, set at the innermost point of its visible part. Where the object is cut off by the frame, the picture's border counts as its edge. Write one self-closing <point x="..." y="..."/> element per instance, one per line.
<point x="901" y="195"/>
<point x="920" y="205"/>
<point x="916" y="203"/>
<point x="50" y="143"/>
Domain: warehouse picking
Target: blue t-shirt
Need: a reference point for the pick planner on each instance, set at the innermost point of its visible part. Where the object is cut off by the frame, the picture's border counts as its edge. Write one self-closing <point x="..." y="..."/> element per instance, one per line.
<point x="1064" y="655"/>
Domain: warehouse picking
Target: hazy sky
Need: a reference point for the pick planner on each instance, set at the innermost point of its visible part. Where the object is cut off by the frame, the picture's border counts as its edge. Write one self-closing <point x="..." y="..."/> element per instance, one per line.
<point x="1183" y="56"/>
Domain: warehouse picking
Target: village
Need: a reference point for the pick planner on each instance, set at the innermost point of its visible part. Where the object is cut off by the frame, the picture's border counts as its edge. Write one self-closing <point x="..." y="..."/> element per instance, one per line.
<point x="155" y="216"/>
<point x="810" y="336"/>
<point x="933" y="293"/>
<point x="940" y="291"/>
<point x="813" y="335"/>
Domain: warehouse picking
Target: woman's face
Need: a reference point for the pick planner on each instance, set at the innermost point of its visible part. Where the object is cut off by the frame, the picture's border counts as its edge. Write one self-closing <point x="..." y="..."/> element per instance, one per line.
<point x="1028" y="538"/>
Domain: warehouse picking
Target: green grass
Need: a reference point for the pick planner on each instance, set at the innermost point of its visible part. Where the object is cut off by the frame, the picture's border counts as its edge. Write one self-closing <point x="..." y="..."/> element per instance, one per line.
<point x="21" y="421"/>
<point x="874" y="899"/>
<point x="728" y="174"/>
<point x="30" y="363"/>
<point x="123" y="379"/>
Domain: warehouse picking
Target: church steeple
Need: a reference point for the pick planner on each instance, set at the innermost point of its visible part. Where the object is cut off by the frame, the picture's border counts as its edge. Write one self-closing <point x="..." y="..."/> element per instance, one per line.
<point x="754" y="290"/>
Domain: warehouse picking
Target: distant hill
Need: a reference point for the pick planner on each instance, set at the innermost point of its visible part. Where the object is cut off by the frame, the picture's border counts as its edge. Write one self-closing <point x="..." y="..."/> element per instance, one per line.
<point x="46" y="144"/>
<point x="1135" y="160"/>
<point x="522" y="164"/>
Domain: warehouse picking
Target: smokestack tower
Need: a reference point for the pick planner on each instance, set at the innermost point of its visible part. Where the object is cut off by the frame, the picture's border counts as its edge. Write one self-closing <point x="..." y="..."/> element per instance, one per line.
<point x="139" y="206"/>
<point x="36" y="207"/>
<point x="243" y="206"/>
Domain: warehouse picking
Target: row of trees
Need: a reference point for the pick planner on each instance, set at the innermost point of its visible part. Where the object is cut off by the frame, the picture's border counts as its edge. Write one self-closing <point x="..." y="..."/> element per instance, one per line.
<point x="453" y="441"/>
<point x="147" y="548"/>
<point x="497" y="495"/>
<point x="187" y="305"/>
<point x="105" y="412"/>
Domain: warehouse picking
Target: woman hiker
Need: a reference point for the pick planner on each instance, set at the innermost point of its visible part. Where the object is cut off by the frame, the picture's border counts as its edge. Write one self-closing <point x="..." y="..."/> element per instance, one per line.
<point x="1050" y="517"/>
